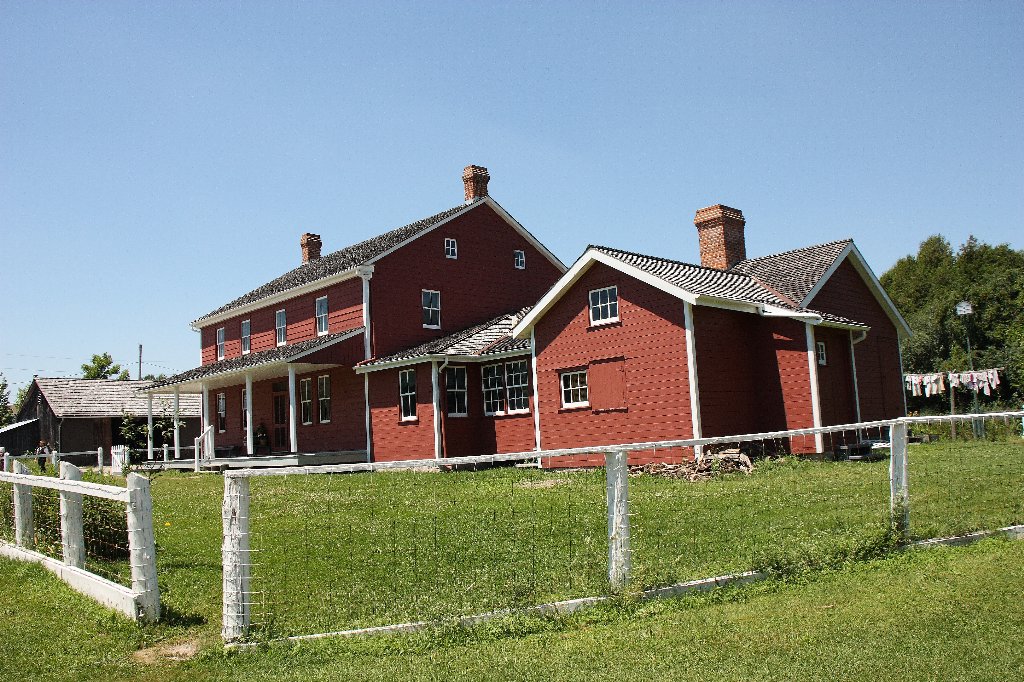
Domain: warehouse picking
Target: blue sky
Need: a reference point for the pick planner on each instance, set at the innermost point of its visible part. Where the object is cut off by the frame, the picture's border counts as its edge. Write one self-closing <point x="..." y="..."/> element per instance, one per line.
<point x="159" y="159"/>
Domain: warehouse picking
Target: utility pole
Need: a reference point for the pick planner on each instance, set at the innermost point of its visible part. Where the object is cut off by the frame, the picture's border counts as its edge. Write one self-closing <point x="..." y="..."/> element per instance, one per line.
<point x="140" y="361"/>
<point x="964" y="309"/>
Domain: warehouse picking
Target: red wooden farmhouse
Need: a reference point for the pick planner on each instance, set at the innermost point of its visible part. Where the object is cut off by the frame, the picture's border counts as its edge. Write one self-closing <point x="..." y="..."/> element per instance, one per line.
<point x="461" y="334"/>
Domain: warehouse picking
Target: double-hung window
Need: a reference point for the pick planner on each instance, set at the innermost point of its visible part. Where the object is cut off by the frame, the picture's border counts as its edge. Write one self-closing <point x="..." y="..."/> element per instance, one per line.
<point x="220" y="343"/>
<point x="431" y="309"/>
<point x="506" y="388"/>
<point x="222" y="412"/>
<point x="451" y="248"/>
<point x="245" y="337"/>
<point x="321" y="316"/>
<point x="604" y="305"/>
<point x="323" y="394"/>
<point x="407" y="393"/>
<point x="455" y="391"/>
<point x="519" y="259"/>
<point x="281" y="325"/>
<point x="306" y="400"/>
<point x="822" y="356"/>
<point x="574" y="389"/>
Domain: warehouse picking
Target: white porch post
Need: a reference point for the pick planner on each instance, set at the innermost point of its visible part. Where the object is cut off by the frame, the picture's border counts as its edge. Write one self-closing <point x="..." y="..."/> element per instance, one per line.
<point x="149" y="422"/>
<point x="437" y="410"/>
<point x="812" y="369"/>
<point x="177" y="428"/>
<point x="205" y="412"/>
<point x="293" y="428"/>
<point x="249" y="440"/>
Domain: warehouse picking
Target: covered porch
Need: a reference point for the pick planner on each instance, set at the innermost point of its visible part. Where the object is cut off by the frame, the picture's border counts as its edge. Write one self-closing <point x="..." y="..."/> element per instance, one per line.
<point x="264" y="403"/>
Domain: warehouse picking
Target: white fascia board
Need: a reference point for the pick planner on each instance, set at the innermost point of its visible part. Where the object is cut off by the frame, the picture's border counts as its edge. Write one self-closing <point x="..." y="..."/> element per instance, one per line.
<point x="442" y="357"/>
<point x="862" y="267"/>
<point x="578" y="269"/>
<point x="279" y="297"/>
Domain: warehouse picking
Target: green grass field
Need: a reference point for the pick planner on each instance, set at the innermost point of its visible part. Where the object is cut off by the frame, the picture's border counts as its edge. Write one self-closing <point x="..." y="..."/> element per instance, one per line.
<point x="337" y="552"/>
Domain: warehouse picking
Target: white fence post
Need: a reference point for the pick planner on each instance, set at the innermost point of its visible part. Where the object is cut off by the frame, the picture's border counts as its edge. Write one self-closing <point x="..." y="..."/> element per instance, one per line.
<point x="142" y="547"/>
<point x="198" y="451"/>
<point x="235" y="557"/>
<point x="899" y="493"/>
<point x="99" y="458"/>
<point x="24" y="531"/>
<point x="72" y="531"/>
<point x="7" y="461"/>
<point x="617" y="489"/>
<point x="167" y="453"/>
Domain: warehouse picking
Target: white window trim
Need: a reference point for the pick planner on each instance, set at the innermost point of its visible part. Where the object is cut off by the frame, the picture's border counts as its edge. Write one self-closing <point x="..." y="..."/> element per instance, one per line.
<point x="246" y="336"/>
<point x="431" y="291"/>
<point x="277" y="334"/>
<point x="519" y="259"/>
<point x="220" y="343"/>
<point x="525" y="386"/>
<point x="504" y="389"/>
<point x="561" y="390"/>
<point x="414" y="416"/>
<point x="320" y="398"/>
<point x="590" y="307"/>
<point x="822" y="355"/>
<point x="465" y="391"/>
<point x="326" y="317"/>
<point x="454" y="255"/>
<point x="308" y="383"/>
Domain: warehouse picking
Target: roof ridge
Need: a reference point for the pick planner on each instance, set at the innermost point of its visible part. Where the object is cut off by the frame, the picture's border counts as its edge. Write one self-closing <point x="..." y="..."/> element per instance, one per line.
<point x="668" y="260"/>
<point x="802" y="248"/>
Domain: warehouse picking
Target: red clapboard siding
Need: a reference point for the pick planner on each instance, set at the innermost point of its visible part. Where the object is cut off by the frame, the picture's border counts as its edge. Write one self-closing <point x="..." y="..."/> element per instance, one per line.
<point x="835" y="378"/>
<point x="345" y="311"/>
<point x="477" y="286"/>
<point x="879" y="378"/>
<point x="394" y="439"/>
<point x="651" y="343"/>
<point x="479" y="434"/>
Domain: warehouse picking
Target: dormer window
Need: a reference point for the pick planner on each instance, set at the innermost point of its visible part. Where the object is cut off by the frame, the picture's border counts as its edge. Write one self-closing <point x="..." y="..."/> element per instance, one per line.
<point x="220" y="343"/>
<point x="604" y="305"/>
<point x="519" y="259"/>
<point x="281" y="326"/>
<point x="451" y="248"/>
<point x="321" y="316"/>
<point x="431" y="309"/>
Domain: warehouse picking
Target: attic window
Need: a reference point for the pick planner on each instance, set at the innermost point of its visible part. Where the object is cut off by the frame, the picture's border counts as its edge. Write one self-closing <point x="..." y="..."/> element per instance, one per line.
<point x="604" y="305"/>
<point x="822" y="357"/>
<point x="519" y="259"/>
<point x="451" y="248"/>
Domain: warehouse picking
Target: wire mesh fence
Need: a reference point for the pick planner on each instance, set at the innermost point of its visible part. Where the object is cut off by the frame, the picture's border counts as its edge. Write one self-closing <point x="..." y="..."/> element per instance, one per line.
<point x="357" y="546"/>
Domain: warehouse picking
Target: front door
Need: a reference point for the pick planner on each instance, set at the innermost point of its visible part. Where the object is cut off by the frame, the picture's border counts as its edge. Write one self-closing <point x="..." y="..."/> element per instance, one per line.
<point x="281" y="422"/>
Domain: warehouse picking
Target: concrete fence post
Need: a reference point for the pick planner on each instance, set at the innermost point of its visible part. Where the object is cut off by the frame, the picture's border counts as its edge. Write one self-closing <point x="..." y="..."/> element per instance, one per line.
<point x="142" y="548"/>
<point x="617" y="490"/>
<point x="72" y="530"/>
<point x="235" y="557"/>
<point x="24" y="529"/>
<point x="99" y="459"/>
<point x="899" y="492"/>
<point x="7" y="462"/>
<point x="167" y="453"/>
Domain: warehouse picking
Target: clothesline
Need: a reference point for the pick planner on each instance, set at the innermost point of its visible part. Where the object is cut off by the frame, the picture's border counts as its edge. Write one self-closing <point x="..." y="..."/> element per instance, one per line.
<point x="933" y="383"/>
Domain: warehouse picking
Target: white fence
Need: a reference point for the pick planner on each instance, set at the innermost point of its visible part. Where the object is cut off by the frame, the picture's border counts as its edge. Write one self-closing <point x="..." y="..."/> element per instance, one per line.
<point x="853" y="500"/>
<point x="140" y="600"/>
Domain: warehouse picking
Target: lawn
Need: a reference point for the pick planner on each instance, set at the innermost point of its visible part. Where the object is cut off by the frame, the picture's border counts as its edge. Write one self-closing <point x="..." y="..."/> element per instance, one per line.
<point x="336" y="552"/>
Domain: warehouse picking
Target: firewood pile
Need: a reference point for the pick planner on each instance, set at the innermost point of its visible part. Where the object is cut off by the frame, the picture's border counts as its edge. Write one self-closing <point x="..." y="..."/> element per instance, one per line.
<point x="727" y="461"/>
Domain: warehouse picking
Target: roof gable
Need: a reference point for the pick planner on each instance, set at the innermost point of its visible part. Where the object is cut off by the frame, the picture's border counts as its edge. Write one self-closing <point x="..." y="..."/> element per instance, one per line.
<point x="343" y="263"/>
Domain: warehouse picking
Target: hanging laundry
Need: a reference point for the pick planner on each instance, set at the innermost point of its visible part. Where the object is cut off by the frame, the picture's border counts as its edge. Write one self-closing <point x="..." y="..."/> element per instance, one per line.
<point x="985" y="380"/>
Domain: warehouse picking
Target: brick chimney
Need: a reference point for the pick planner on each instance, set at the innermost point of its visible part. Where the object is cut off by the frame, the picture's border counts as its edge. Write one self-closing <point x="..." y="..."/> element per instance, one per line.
<point x="475" y="179"/>
<point x="720" y="230"/>
<point x="310" y="244"/>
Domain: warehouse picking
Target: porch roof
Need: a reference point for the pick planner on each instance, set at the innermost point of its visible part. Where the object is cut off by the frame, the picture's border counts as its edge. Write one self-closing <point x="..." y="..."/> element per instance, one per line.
<point x="264" y="364"/>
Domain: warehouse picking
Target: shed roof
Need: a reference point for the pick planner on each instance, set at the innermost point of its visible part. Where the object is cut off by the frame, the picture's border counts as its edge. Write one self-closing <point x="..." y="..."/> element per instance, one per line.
<point x="478" y="342"/>
<point x="97" y="398"/>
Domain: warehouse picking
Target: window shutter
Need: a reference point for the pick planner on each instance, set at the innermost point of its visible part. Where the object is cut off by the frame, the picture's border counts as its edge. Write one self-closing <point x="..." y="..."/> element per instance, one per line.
<point x="608" y="384"/>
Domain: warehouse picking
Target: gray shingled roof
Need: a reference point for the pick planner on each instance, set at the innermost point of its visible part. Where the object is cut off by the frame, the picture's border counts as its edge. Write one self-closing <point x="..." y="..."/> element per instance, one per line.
<point x="96" y="398"/>
<point x="338" y="261"/>
<point x="263" y="357"/>
<point x="737" y="285"/>
<point x="487" y="338"/>
<point x="793" y="273"/>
